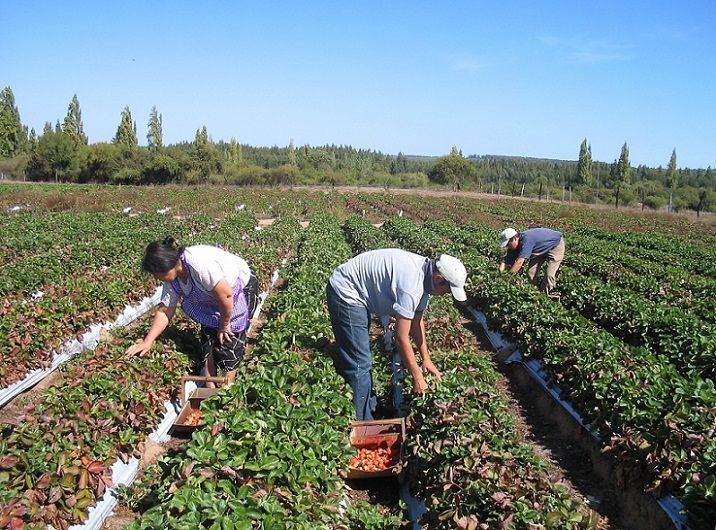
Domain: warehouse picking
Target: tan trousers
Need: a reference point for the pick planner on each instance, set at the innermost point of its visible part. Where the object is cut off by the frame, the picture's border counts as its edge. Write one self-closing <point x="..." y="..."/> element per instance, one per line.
<point x="553" y="258"/>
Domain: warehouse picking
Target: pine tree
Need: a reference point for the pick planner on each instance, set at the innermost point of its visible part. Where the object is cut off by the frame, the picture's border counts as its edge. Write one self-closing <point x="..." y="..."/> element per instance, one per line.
<point x="72" y="125"/>
<point x="584" y="165"/>
<point x="127" y="131"/>
<point x="13" y="136"/>
<point x="154" y="134"/>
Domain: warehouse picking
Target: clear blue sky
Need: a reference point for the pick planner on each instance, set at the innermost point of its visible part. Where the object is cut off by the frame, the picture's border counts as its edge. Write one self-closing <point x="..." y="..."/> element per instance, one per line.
<point x="527" y="78"/>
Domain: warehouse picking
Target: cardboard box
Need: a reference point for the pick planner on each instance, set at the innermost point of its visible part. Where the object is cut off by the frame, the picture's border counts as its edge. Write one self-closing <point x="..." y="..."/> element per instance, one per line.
<point x="192" y="404"/>
<point x="372" y="434"/>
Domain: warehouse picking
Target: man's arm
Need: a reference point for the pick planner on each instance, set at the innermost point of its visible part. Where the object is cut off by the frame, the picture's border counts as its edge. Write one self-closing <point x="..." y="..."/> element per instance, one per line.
<point x="405" y="349"/>
<point x="517" y="265"/>
<point x="417" y="332"/>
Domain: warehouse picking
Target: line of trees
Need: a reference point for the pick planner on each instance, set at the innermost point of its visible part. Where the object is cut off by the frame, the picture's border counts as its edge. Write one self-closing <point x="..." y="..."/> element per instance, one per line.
<point x="62" y="153"/>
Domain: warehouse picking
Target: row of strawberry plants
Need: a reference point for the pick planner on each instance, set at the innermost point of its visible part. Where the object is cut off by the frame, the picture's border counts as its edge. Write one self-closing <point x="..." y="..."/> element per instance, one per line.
<point x="47" y="248"/>
<point x="180" y="200"/>
<point x="653" y="286"/>
<point x="54" y="462"/>
<point x="691" y="254"/>
<point x="657" y="424"/>
<point x="362" y="236"/>
<point x="682" y="338"/>
<point x="567" y="216"/>
<point x="651" y="281"/>
<point x="698" y="291"/>
<point x="466" y="460"/>
<point x="27" y="233"/>
<point x="112" y="422"/>
<point x="274" y="442"/>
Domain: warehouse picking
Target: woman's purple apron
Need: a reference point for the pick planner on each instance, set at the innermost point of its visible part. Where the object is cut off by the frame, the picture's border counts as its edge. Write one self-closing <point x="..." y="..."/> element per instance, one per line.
<point x="204" y="308"/>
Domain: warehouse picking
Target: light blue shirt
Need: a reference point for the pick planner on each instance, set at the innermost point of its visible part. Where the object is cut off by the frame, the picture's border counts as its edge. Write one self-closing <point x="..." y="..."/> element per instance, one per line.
<point x="387" y="282"/>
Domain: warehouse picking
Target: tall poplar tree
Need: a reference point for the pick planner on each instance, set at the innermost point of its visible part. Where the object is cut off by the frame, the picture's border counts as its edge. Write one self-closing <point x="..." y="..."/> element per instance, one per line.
<point x="205" y="156"/>
<point x="13" y="136"/>
<point x="32" y="140"/>
<point x="584" y="165"/>
<point x="672" y="173"/>
<point x="622" y="173"/>
<point x="624" y="166"/>
<point x="292" y="158"/>
<point x="232" y="152"/>
<point x="672" y="178"/>
<point x="72" y="126"/>
<point x="127" y="131"/>
<point x="154" y="135"/>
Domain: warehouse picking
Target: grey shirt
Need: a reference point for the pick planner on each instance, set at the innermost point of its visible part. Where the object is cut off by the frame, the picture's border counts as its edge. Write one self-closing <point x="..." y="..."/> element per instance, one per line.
<point x="387" y="282"/>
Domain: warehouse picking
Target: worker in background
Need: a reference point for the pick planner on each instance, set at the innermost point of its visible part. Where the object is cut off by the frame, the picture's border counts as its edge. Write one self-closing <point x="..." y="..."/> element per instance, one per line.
<point x="539" y="246"/>
<point x="386" y="282"/>
<point x="217" y="289"/>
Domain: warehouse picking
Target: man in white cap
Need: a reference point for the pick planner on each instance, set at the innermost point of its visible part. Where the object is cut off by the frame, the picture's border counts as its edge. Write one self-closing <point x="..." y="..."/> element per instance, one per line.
<point x="539" y="246"/>
<point x="387" y="282"/>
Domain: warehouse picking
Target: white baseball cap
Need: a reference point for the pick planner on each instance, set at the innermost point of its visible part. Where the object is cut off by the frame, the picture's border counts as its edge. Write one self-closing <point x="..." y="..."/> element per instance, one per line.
<point x="506" y="235"/>
<point x="454" y="273"/>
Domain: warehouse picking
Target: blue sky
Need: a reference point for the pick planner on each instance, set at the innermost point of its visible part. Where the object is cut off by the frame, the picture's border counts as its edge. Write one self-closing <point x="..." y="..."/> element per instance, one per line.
<point x="526" y="78"/>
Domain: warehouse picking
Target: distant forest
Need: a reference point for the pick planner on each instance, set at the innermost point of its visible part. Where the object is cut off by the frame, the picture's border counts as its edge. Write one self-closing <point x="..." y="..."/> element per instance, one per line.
<point x="62" y="153"/>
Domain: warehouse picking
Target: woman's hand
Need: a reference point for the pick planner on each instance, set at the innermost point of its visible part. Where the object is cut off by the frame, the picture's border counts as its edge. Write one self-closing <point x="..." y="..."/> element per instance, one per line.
<point x="225" y="334"/>
<point x="139" y="348"/>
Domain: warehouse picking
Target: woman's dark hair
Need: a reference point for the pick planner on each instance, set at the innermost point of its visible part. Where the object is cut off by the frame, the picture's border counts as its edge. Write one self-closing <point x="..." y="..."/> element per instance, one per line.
<point x="161" y="255"/>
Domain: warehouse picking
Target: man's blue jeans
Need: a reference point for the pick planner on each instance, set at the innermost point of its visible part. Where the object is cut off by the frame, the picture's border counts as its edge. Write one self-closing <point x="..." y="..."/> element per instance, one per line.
<point x="353" y="360"/>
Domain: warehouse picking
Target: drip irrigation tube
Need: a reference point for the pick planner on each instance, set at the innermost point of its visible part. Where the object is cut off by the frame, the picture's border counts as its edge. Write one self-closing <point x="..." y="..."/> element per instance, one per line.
<point x="671" y="506"/>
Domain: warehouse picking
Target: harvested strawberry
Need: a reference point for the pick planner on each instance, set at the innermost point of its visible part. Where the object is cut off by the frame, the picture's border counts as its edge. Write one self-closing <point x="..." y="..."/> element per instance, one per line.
<point x="193" y="418"/>
<point x="375" y="459"/>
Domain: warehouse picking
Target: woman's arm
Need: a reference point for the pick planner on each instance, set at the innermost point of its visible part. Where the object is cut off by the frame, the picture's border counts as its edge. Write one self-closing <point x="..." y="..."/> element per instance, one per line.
<point x="225" y="297"/>
<point x="161" y="320"/>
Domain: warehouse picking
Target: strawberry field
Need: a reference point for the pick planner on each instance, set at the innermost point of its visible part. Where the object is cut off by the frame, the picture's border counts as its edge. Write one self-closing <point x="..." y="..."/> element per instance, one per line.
<point x="630" y="345"/>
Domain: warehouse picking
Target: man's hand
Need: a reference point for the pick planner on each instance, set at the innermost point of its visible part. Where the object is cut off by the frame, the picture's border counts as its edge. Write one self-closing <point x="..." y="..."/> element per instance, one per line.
<point x="419" y="384"/>
<point x="430" y="368"/>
